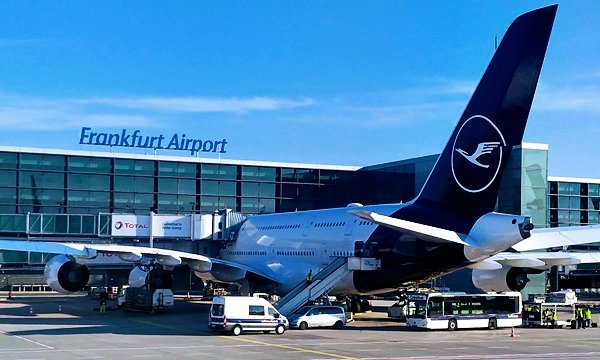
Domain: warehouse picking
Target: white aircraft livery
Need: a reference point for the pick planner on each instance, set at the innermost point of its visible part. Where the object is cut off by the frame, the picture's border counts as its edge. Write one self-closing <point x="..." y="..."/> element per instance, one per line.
<point x="450" y="225"/>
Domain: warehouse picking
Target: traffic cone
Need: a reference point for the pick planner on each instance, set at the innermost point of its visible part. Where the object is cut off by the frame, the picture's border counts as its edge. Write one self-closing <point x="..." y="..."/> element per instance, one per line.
<point x="513" y="333"/>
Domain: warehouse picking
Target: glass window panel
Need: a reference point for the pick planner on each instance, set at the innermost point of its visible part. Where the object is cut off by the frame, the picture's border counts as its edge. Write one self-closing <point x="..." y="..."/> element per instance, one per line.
<point x="187" y="186"/>
<point x="89" y="164"/>
<point x="134" y="201"/>
<point x="8" y="195"/>
<point x="43" y="162"/>
<point x="135" y="167"/>
<point x="89" y="182"/>
<point x="267" y="206"/>
<point x="42" y="180"/>
<point x="593" y="217"/>
<point x="574" y="202"/>
<point x="134" y="183"/>
<point x="574" y="217"/>
<point x="88" y="198"/>
<point x="210" y="187"/>
<point x="563" y="188"/>
<point x="249" y="205"/>
<point x="594" y="203"/>
<point x="267" y="190"/>
<point x="563" y="202"/>
<point x="212" y="203"/>
<point x="8" y="160"/>
<point x="41" y="197"/>
<point x="167" y="185"/>
<point x="250" y="173"/>
<point x="574" y="188"/>
<point x="177" y="169"/>
<point x="288" y="175"/>
<point x="249" y="189"/>
<point x="227" y="188"/>
<point x="594" y="189"/>
<point x="12" y="223"/>
<point x="225" y="172"/>
<point x="307" y="176"/>
<point x="9" y="256"/>
<point x="8" y="178"/>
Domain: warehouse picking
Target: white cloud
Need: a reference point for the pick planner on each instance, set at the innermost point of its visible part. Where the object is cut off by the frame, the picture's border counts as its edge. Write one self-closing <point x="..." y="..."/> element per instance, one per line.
<point x="584" y="99"/>
<point x="200" y="104"/>
<point x="29" y="113"/>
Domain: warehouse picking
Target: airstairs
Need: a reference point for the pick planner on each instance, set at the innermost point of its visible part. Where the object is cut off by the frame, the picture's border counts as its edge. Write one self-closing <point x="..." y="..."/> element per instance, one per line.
<point x="323" y="282"/>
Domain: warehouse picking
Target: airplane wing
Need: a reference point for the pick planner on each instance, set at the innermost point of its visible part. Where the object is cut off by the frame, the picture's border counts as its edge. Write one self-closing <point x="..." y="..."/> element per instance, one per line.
<point x="165" y="257"/>
<point x="536" y="259"/>
<point x="559" y="236"/>
<point x="428" y="232"/>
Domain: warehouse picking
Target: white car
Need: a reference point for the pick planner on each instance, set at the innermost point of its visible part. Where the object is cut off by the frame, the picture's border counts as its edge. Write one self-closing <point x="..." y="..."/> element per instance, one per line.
<point x="318" y="316"/>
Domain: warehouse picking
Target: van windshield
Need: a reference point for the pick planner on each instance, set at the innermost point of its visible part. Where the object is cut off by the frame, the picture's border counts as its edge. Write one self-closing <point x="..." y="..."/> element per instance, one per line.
<point x="217" y="309"/>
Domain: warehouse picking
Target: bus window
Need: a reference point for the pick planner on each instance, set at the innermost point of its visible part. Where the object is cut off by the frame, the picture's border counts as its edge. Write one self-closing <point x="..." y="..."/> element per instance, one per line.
<point x="434" y="308"/>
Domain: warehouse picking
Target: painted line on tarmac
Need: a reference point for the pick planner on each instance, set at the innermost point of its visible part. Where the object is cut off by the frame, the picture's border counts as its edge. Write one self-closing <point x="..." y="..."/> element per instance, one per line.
<point x="31" y="341"/>
<point x="291" y="348"/>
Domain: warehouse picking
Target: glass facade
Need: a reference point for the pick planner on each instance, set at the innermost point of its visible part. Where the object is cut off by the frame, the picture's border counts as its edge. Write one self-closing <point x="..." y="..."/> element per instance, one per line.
<point x="75" y="184"/>
<point x="573" y="202"/>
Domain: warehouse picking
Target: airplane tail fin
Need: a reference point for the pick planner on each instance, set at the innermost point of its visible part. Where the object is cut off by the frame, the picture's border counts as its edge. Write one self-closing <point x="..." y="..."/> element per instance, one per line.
<point x="465" y="180"/>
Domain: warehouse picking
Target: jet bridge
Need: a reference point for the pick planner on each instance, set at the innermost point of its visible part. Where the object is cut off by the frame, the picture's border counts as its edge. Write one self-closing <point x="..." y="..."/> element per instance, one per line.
<point x="323" y="282"/>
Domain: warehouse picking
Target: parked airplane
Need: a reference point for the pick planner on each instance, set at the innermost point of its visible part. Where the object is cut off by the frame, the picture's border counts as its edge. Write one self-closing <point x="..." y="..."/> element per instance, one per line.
<point x="450" y="225"/>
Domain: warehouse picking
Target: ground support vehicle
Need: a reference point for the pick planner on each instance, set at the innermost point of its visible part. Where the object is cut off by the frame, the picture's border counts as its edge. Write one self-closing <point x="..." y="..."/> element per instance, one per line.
<point x="237" y="314"/>
<point x="144" y="299"/>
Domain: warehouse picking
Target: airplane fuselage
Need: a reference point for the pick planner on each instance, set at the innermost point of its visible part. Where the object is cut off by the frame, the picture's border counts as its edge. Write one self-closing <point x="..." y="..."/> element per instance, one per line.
<point x="286" y="246"/>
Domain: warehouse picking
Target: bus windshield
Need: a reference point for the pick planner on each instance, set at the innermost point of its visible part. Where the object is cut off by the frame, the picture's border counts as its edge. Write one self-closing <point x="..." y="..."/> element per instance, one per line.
<point x="416" y="306"/>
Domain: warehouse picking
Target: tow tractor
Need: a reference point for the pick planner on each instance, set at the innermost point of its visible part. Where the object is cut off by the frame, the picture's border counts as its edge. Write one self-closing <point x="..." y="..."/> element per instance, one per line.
<point x="144" y="299"/>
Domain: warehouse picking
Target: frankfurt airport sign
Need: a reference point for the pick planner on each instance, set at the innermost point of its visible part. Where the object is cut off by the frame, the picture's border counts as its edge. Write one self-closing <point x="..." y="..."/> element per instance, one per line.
<point x="134" y="139"/>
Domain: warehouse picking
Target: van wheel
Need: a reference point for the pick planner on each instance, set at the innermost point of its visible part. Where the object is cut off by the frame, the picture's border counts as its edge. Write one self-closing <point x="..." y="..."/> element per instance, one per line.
<point x="492" y="324"/>
<point x="452" y="324"/>
<point x="280" y="329"/>
<point x="303" y="325"/>
<point x="338" y="324"/>
<point x="237" y="330"/>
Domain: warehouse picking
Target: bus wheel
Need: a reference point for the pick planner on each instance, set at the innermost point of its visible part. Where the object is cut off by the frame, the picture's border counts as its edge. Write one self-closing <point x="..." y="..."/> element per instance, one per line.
<point x="452" y="324"/>
<point x="237" y="330"/>
<point x="492" y="324"/>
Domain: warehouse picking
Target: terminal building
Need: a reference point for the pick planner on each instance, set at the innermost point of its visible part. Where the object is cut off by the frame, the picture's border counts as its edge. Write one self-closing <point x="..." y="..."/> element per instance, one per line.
<point x="77" y="196"/>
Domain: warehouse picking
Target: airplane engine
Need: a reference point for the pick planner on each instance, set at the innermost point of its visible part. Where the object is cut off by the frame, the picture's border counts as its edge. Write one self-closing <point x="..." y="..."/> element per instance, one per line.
<point x="154" y="276"/>
<point x="65" y="275"/>
<point x="505" y="279"/>
<point x="138" y="276"/>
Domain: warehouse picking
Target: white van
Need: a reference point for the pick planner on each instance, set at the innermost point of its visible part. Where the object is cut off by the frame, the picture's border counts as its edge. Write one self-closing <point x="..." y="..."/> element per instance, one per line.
<point x="245" y="313"/>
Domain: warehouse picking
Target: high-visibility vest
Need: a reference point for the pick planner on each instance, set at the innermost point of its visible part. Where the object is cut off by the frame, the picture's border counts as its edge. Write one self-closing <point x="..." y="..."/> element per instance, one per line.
<point x="554" y="316"/>
<point x="588" y="314"/>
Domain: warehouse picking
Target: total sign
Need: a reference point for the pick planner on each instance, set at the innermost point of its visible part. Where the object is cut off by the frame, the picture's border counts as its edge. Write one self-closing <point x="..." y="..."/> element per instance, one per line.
<point x="161" y="225"/>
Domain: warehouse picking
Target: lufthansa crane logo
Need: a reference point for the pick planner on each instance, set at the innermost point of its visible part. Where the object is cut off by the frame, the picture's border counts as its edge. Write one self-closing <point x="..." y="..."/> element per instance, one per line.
<point x="476" y="163"/>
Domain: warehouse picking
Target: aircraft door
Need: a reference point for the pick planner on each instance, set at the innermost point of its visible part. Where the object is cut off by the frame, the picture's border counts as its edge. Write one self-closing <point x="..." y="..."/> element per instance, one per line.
<point x="324" y="255"/>
<point x="309" y="224"/>
<point x="349" y="226"/>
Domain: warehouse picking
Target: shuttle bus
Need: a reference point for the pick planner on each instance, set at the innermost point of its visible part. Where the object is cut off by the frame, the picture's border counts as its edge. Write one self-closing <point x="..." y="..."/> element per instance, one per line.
<point x="464" y="311"/>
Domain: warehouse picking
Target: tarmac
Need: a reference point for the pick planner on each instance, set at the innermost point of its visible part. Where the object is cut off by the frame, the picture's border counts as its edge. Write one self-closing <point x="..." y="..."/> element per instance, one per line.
<point x="52" y="327"/>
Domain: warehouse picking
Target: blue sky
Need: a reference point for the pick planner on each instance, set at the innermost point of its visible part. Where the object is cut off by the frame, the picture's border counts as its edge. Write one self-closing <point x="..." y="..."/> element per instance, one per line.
<point x="332" y="82"/>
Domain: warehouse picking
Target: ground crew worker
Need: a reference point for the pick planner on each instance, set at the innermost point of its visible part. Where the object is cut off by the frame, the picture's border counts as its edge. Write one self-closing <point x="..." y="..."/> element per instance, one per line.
<point x="588" y="316"/>
<point x="309" y="278"/>
<point x="554" y="318"/>
<point x="580" y="320"/>
<point x="103" y="300"/>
